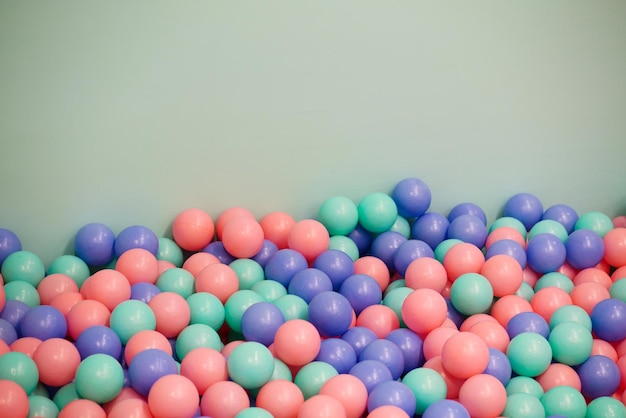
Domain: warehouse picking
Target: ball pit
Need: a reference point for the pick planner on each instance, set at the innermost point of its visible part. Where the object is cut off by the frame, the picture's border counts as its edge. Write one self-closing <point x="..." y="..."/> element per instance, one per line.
<point x="374" y="308"/>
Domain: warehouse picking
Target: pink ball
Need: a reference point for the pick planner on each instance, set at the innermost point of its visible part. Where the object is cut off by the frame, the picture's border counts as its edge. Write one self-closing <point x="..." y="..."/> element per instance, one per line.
<point x="53" y="285"/>
<point x="173" y="396"/>
<point x="57" y="360"/>
<point x="13" y="400"/>
<point x="243" y="237"/>
<point x="483" y="396"/>
<point x="530" y="277"/>
<point x="193" y="229"/>
<point x="138" y="265"/>
<point x="64" y="302"/>
<point x="426" y="273"/>
<point x="297" y="342"/>
<point x="309" y="237"/>
<point x="380" y="319"/>
<point x="464" y="355"/>
<point x="618" y="273"/>
<point x="281" y="398"/>
<point x="472" y="320"/>
<point x="507" y="307"/>
<point x="423" y="310"/>
<point x="375" y="268"/>
<point x="224" y="400"/>
<point x="125" y="394"/>
<point x="388" y="411"/>
<point x="110" y="287"/>
<point x="567" y="270"/>
<point x="494" y="334"/>
<point x="505" y="232"/>
<point x="85" y="314"/>
<point x="615" y="247"/>
<point x="350" y="391"/>
<point x="588" y="294"/>
<point x="171" y="312"/>
<point x="144" y="340"/>
<point x="276" y="227"/>
<point x="4" y="347"/>
<point x="603" y="348"/>
<point x="130" y="408"/>
<point x="164" y="265"/>
<point x="228" y="215"/>
<point x="452" y="383"/>
<point x="434" y="341"/>
<point x="26" y="345"/>
<point x="83" y="408"/>
<point x="463" y="258"/>
<point x="504" y="273"/>
<point x="218" y="279"/>
<point x="196" y="262"/>
<point x="204" y="366"/>
<point x="230" y="346"/>
<point x="322" y="406"/>
<point x="558" y="374"/>
<point x="593" y="275"/>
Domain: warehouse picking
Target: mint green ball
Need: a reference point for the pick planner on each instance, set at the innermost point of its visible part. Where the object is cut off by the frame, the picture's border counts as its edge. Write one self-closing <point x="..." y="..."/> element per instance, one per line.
<point x="442" y="249"/>
<point x="177" y="280"/>
<point x="618" y="290"/>
<point x="281" y="371"/>
<point x="471" y="293"/>
<point x="170" y="251"/>
<point x="395" y="298"/>
<point x="99" y="378"/>
<point x="251" y="365"/>
<point x="571" y="343"/>
<point x="293" y="307"/>
<point x="549" y="226"/>
<point x="65" y="395"/>
<point x="555" y="279"/>
<point x="339" y="215"/>
<point x="564" y="400"/>
<point x="249" y="272"/>
<point x="605" y="407"/>
<point x="377" y="212"/>
<point x="269" y="290"/>
<point x="23" y="292"/>
<point x="21" y="369"/>
<point x="510" y="222"/>
<point x="427" y="385"/>
<point x="401" y="226"/>
<point x="195" y="336"/>
<point x="237" y="304"/>
<point x="570" y="313"/>
<point x="530" y="354"/>
<point x="393" y="286"/>
<point x="598" y="222"/>
<point x="344" y="244"/>
<point x="130" y="317"/>
<point x="207" y="309"/>
<point x="253" y="412"/>
<point x="523" y="405"/>
<point x="42" y="407"/>
<point x="71" y="266"/>
<point x="525" y="291"/>
<point x="524" y="384"/>
<point x="23" y="266"/>
<point x="312" y="376"/>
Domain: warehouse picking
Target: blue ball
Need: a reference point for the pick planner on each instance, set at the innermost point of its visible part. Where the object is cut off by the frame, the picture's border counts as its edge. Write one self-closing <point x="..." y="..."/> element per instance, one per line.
<point x="385" y="245"/>
<point x="499" y="366"/>
<point x="136" y="236"/>
<point x="308" y="283"/>
<point x="388" y="353"/>
<point x="585" y="249"/>
<point x="468" y="228"/>
<point x="545" y="253"/>
<point x="9" y="243"/>
<point x="331" y="313"/>
<point x="409" y="251"/>
<point x="411" y="345"/>
<point x="527" y="322"/>
<point x="268" y="249"/>
<point x="446" y="408"/>
<point x="456" y="316"/>
<point x="338" y="353"/>
<point x="147" y="367"/>
<point x="43" y="322"/>
<point x="467" y="209"/>
<point x="260" y="322"/>
<point x="359" y="338"/>
<point x="362" y="238"/>
<point x="99" y="339"/>
<point x="392" y="393"/>
<point x="144" y="291"/>
<point x="336" y="264"/>
<point x="217" y="249"/>
<point x="94" y="244"/>
<point x="8" y="334"/>
<point x="563" y="214"/>
<point x="431" y="227"/>
<point x="361" y="291"/>
<point x="608" y="319"/>
<point x="371" y="373"/>
<point x="508" y="247"/>
<point x="412" y="197"/>
<point x="599" y="376"/>
<point x="525" y="207"/>
<point x="283" y="265"/>
<point x="13" y="312"/>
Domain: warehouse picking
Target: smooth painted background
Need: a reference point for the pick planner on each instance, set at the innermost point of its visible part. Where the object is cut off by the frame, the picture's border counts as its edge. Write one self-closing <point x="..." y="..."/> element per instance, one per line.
<point x="126" y="113"/>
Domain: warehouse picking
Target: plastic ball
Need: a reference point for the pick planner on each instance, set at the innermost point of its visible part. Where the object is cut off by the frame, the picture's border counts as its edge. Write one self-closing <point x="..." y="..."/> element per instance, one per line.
<point x="409" y="251"/>
<point x="310" y="282"/>
<point x="282" y="398"/>
<point x="57" y="360"/>
<point x="322" y="406"/>
<point x="292" y="307"/>
<point x="371" y="373"/>
<point x="144" y="292"/>
<point x="53" y="285"/>
<point x="468" y="228"/>
<point x="132" y="407"/>
<point x="276" y="227"/>
<point x="345" y="245"/>
<point x="524" y="384"/>
<point x="585" y="248"/>
<point x="483" y="395"/>
<point x="284" y="265"/>
<point x="99" y="378"/>
<point x="426" y="272"/>
<point x="588" y="294"/>
<point x="261" y="321"/>
<point x="193" y="229"/>
<point x="377" y="212"/>
<point x="554" y="279"/>
<point x="218" y="279"/>
<point x="424" y="310"/>
<point x="25" y="345"/>
<point x="311" y="377"/>
<point x="348" y="390"/>
<point x="529" y="353"/>
<point x="547" y="226"/>
<point x="9" y="244"/>
<point x="471" y="293"/>
<point x="547" y="300"/>
<point x="19" y="368"/>
<point x="268" y="249"/>
<point x="605" y="407"/>
<point x="138" y="265"/>
<point x="194" y="336"/>
<point x="23" y="266"/>
<point x="411" y="346"/>
<point x="463" y="258"/>
<point x="204" y="366"/>
<point x="498" y="366"/>
<point x="505" y="233"/>
<point x="596" y="221"/>
<point x="608" y="318"/>
<point x="224" y="399"/>
<point x="250" y="365"/>
<point x="339" y="215"/>
<point x="338" y="353"/>
<point x="147" y="367"/>
<point x="525" y="207"/>
<point x="41" y="407"/>
<point x="297" y="342"/>
<point x="173" y="396"/>
<point x="243" y="237"/>
<point x="136" y="236"/>
<point x="361" y="291"/>
<point x="412" y="197"/>
<point x="362" y="238"/>
<point x="8" y="333"/>
<point x="94" y="243"/>
<point x="493" y="333"/>
<point x="177" y="280"/>
<point x="504" y="274"/>
<point x="336" y="264"/>
<point x="392" y="393"/>
<point x="385" y="245"/>
<point x="130" y="317"/>
<point x="85" y="314"/>
<point x="171" y="312"/>
<point x="170" y="251"/>
<point x="431" y="228"/>
<point x="206" y="309"/>
<point x="269" y="290"/>
<point x="217" y="249"/>
<point x="309" y="237"/>
<point x="22" y="291"/>
<point x="528" y="322"/>
<point x="388" y="353"/>
<point x="564" y="214"/>
<point x="446" y="408"/>
<point x="43" y="322"/>
<point x="427" y="386"/>
<point x="380" y="319"/>
<point x="98" y="339"/>
<point x="570" y="313"/>
<point x="196" y="262"/>
<point x="330" y="313"/>
<point x="359" y="337"/>
<point x="523" y="405"/>
<point x="559" y="374"/>
<point x="599" y="376"/>
<point x="107" y="286"/>
<point x="464" y="355"/>
<point x="564" y="401"/>
<point x="434" y="341"/>
<point x="237" y="304"/>
<point x="510" y="248"/>
<point x="571" y="343"/>
<point x="615" y="247"/>
<point x="545" y="253"/>
<point x="83" y="408"/>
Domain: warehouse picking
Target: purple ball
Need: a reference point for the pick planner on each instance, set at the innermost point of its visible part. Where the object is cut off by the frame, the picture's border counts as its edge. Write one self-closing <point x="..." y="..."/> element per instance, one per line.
<point x="371" y="373"/>
<point x="94" y="244"/>
<point x="388" y="353"/>
<point x="144" y="291"/>
<point x="362" y="238"/>
<point x="527" y="322"/>
<point x="563" y="214"/>
<point x="361" y="291"/>
<point x="308" y="283"/>
<point x="260" y="322"/>
<point x="392" y="393"/>
<point x="385" y="245"/>
<point x="217" y="249"/>
<point x="585" y="249"/>
<point x="43" y="322"/>
<point x="268" y="249"/>
<point x="331" y="313"/>
<point x="525" y="207"/>
<point x="467" y="209"/>
<point x="359" y="338"/>
<point x="545" y="253"/>
<point x="338" y="353"/>
<point x="508" y="247"/>
<point x="99" y="339"/>
<point x="136" y="236"/>
<point x="409" y="251"/>
<point x="499" y="366"/>
<point x="608" y="319"/>
<point x="468" y="228"/>
<point x="283" y="265"/>
<point x="431" y="227"/>
<point x="412" y="197"/>
<point x="411" y="345"/>
<point x="14" y="311"/>
<point x="599" y="376"/>
<point x="9" y="243"/>
<point x="446" y="408"/>
<point x="147" y="367"/>
<point x="336" y="264"/>
<point x="8" y="334"/>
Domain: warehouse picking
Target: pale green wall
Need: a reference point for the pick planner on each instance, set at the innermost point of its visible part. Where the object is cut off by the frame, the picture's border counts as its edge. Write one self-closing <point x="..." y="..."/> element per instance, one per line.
<point x="127" y="112"/>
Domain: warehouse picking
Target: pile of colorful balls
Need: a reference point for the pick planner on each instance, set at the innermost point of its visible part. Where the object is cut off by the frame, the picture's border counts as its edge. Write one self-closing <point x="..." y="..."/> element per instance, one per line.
<point x="379" y="308"/>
